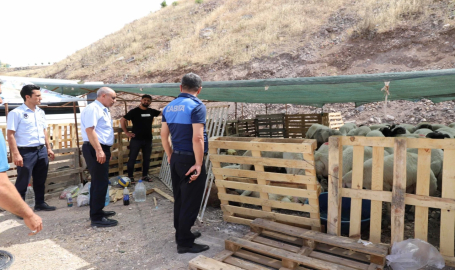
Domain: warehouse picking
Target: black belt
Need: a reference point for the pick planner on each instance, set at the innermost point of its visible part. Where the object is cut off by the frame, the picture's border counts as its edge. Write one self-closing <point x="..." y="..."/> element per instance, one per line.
<point x="100" y="144"/>
<point x="39" y="147"/>
<point x="185" y="153"/>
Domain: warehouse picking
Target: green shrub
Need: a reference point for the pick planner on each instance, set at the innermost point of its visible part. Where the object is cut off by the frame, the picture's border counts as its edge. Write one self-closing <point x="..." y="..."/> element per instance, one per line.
<point x="175" y="3"/>
<point x="198" y="1"/>
<point x="163" y="4"/>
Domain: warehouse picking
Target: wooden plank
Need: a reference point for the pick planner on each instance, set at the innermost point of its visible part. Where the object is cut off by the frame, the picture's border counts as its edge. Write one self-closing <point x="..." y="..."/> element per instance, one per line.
<point x="271" y="203"/>
<point x="203" y="263"/>
<point x="261" y="161"/>
<point x="215" y="164"/>
<point x="366" y="141"/>
<point x="338" y="260"/>
<point x="164" y="194"/>
<point x="283" y="237"/>
<point x="276" y="244"/>
<point x="398" y="190"/>
<point x="284" y="255"/>
<point x="377" y="184"/>
<point x="222" y="255"/>
<point x="337" y="241"/>
<point x="357" y="183"/>
<point x="422" y="188"/>
<point x="281" y="147"/>
<point x="244" y="264"/>
<point x="258" y="258"/>
<point x="267" y="189"/>
<point x="299" y="179"/>
<point x="335" y="185"/>
<point x="271" y="215"/>
<point x="447" y="216"/>
<point x="346" y="253"/>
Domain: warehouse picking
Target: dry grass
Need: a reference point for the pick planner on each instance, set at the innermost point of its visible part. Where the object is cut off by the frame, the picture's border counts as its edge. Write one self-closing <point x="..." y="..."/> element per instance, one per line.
<point x="241" y="30"/>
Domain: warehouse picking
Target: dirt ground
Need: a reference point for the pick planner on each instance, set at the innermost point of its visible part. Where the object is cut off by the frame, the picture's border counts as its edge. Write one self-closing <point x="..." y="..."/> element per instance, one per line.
<point x="144" y="238"/>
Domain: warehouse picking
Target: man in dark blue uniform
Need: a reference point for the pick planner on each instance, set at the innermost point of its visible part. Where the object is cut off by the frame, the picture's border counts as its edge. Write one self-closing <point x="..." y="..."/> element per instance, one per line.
<point x="184" y="118"/>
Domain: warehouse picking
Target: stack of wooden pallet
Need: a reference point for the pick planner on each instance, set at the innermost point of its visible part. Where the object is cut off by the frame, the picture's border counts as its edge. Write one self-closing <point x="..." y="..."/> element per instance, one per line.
<point x="273" y="245"/>
<point x="335" y="120"/>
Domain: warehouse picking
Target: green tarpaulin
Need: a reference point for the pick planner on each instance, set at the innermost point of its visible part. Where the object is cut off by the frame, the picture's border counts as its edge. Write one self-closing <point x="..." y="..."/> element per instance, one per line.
<point x="437" y="85"/>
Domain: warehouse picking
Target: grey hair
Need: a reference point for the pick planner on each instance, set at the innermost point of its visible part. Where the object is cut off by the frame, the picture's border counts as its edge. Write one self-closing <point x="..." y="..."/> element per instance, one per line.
<point x="103" y="90"/>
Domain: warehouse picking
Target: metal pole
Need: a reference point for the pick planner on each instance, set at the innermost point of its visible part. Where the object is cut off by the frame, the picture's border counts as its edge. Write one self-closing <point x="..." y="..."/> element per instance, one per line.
<point x="6" y="111"/>
<point x="77" y="141"/>
<point x="235" y="114"/>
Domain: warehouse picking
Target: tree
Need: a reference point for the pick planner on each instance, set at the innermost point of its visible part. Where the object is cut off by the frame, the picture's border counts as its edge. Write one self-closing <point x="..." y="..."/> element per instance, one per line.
<point x="163" y="4"/>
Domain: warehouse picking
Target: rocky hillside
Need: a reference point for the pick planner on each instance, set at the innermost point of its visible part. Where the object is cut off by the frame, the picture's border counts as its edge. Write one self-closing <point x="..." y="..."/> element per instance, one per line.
<point x="254" y="39"/>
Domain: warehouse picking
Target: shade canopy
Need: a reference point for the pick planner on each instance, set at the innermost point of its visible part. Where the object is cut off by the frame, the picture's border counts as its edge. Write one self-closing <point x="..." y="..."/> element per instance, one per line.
<point x="437" y="85"/>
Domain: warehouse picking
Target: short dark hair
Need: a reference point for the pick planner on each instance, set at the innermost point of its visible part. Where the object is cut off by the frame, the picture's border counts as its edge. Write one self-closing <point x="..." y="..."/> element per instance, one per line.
<point x="147" y="96"/>
<point x="27" y="90"/>
<point x="191" y="82"/>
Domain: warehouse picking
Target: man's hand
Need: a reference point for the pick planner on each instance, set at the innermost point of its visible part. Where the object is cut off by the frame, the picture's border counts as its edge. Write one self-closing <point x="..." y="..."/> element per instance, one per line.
<point x="130" y="134"/>
<point x="100" y="157"/>
<point x="50" y="154"/>
<point x="195" y="171"/>
<point x="34" y="223"/>
<point x="17" y="159"/>
<point x="169" y="159"/>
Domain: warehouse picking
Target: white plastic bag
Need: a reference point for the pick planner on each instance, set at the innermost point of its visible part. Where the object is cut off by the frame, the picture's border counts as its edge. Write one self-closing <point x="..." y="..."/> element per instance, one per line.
<point x="414" y="254"/>
<point x="73" y="190"/>
<point x="82" y="200"/>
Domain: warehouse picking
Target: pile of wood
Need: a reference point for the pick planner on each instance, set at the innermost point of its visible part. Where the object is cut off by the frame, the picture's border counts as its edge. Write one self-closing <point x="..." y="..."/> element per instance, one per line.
<point x="279" y="246"/>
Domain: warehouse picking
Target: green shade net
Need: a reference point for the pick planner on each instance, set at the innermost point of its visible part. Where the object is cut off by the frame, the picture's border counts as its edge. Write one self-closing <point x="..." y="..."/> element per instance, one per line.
<point x="437" y="85"/>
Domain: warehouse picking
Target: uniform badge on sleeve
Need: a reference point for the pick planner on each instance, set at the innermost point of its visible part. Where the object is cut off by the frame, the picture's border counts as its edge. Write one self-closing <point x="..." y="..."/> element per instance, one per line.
<point x="25" y="115"/>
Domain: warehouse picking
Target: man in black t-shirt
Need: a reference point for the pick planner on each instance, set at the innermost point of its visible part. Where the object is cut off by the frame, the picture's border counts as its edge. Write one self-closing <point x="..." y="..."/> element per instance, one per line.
<point x="141" y="135"/>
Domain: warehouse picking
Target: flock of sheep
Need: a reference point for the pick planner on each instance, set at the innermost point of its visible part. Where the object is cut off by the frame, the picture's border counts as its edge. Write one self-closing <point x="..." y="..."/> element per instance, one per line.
<point x="322" y="133"/>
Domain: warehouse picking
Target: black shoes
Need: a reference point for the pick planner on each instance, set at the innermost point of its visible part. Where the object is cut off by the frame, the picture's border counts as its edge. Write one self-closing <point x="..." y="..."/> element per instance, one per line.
<point x="196" y="248"/>
<point x="44" y="207"/>
<point x="104" y="222"/>
<point x="197" y="234"/>
<point x="107" y="214"/>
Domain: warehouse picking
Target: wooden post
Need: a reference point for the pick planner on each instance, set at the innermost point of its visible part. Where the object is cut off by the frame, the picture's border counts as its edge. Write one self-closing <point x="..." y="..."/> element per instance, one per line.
<point x="399" y="190"/>
<point x="120" y="152"/>
<point x="78" y="151"/>
<point x="448" y="216"/>
<point x="422" y="188"/>
<point x="357" y="183"/>
<point x="235" y="113"/>
<point x="260" y="179"/>
<point x="242" y="111"/>
<point x="377" y="180"/>
<point x="335" y="185"/>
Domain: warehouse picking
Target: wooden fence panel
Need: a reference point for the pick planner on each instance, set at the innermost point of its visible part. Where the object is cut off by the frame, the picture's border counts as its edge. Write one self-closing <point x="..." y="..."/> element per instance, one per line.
<point x="296" y="125"/>
<point x="268" y="184"/>
<point x="247" y="128"/>
<point x="270" y="126"/>
<point x="398" y="196"/>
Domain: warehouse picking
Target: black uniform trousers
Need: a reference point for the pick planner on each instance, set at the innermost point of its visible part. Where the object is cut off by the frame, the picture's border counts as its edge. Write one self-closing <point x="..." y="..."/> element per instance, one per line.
<point x="36" y="164"/>
<point x="187" y="196"/>
<point x="100" y="179"/>
<point x="135" y="146"/>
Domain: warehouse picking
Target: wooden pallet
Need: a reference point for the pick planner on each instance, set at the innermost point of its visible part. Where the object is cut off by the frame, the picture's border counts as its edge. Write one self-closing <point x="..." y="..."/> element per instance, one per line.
<point x="266" y="182"/>
<point x="335" y="120"/>
<point x="398" y="198"/>
<point x="296" y="125"/>
<point x="247" y="128"/>
<point x="270" y="126"/>
<point x="272" y="245"/>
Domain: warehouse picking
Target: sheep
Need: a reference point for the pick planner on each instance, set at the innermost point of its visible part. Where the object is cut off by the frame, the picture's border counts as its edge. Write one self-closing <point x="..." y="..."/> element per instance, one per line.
<point x="423" y="131"/>
<point x="435" y="127"/>
<point x="309" y="134"/>
<point x="377" y="126"/>
<point x="322" y="135"/>
<point x="361" y="131"/>
<point x="344" y="129"/>
<point x="408" y="127"/>
<point x="411" y="174"/>
<point x="393" y="131"/>
<point x="423" y="125"/>
<point x="448" y="131"/>
<point x="267" y="154"/>
<point x="375" y="133"/>
<point x="437" y="135"/>
<point x="452" y="125"/>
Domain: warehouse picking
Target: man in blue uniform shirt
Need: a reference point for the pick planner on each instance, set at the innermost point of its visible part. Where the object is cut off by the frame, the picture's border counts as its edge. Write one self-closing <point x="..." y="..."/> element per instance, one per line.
<point x="29" y="145"/>
<point x="98" y="137"/>
<point x="184" y="119"/>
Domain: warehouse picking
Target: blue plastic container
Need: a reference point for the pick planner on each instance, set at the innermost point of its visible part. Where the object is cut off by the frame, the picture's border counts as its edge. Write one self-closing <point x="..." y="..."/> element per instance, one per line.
<point x="345" y="213"/>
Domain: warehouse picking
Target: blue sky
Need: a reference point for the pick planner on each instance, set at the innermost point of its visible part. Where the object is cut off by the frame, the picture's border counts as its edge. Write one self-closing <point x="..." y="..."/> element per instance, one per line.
<point x="45" y="31"/>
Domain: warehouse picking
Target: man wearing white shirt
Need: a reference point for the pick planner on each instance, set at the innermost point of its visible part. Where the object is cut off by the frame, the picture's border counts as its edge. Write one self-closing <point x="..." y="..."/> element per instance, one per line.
<point x="29" y="145"/>
<point x="98" y="137"/>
